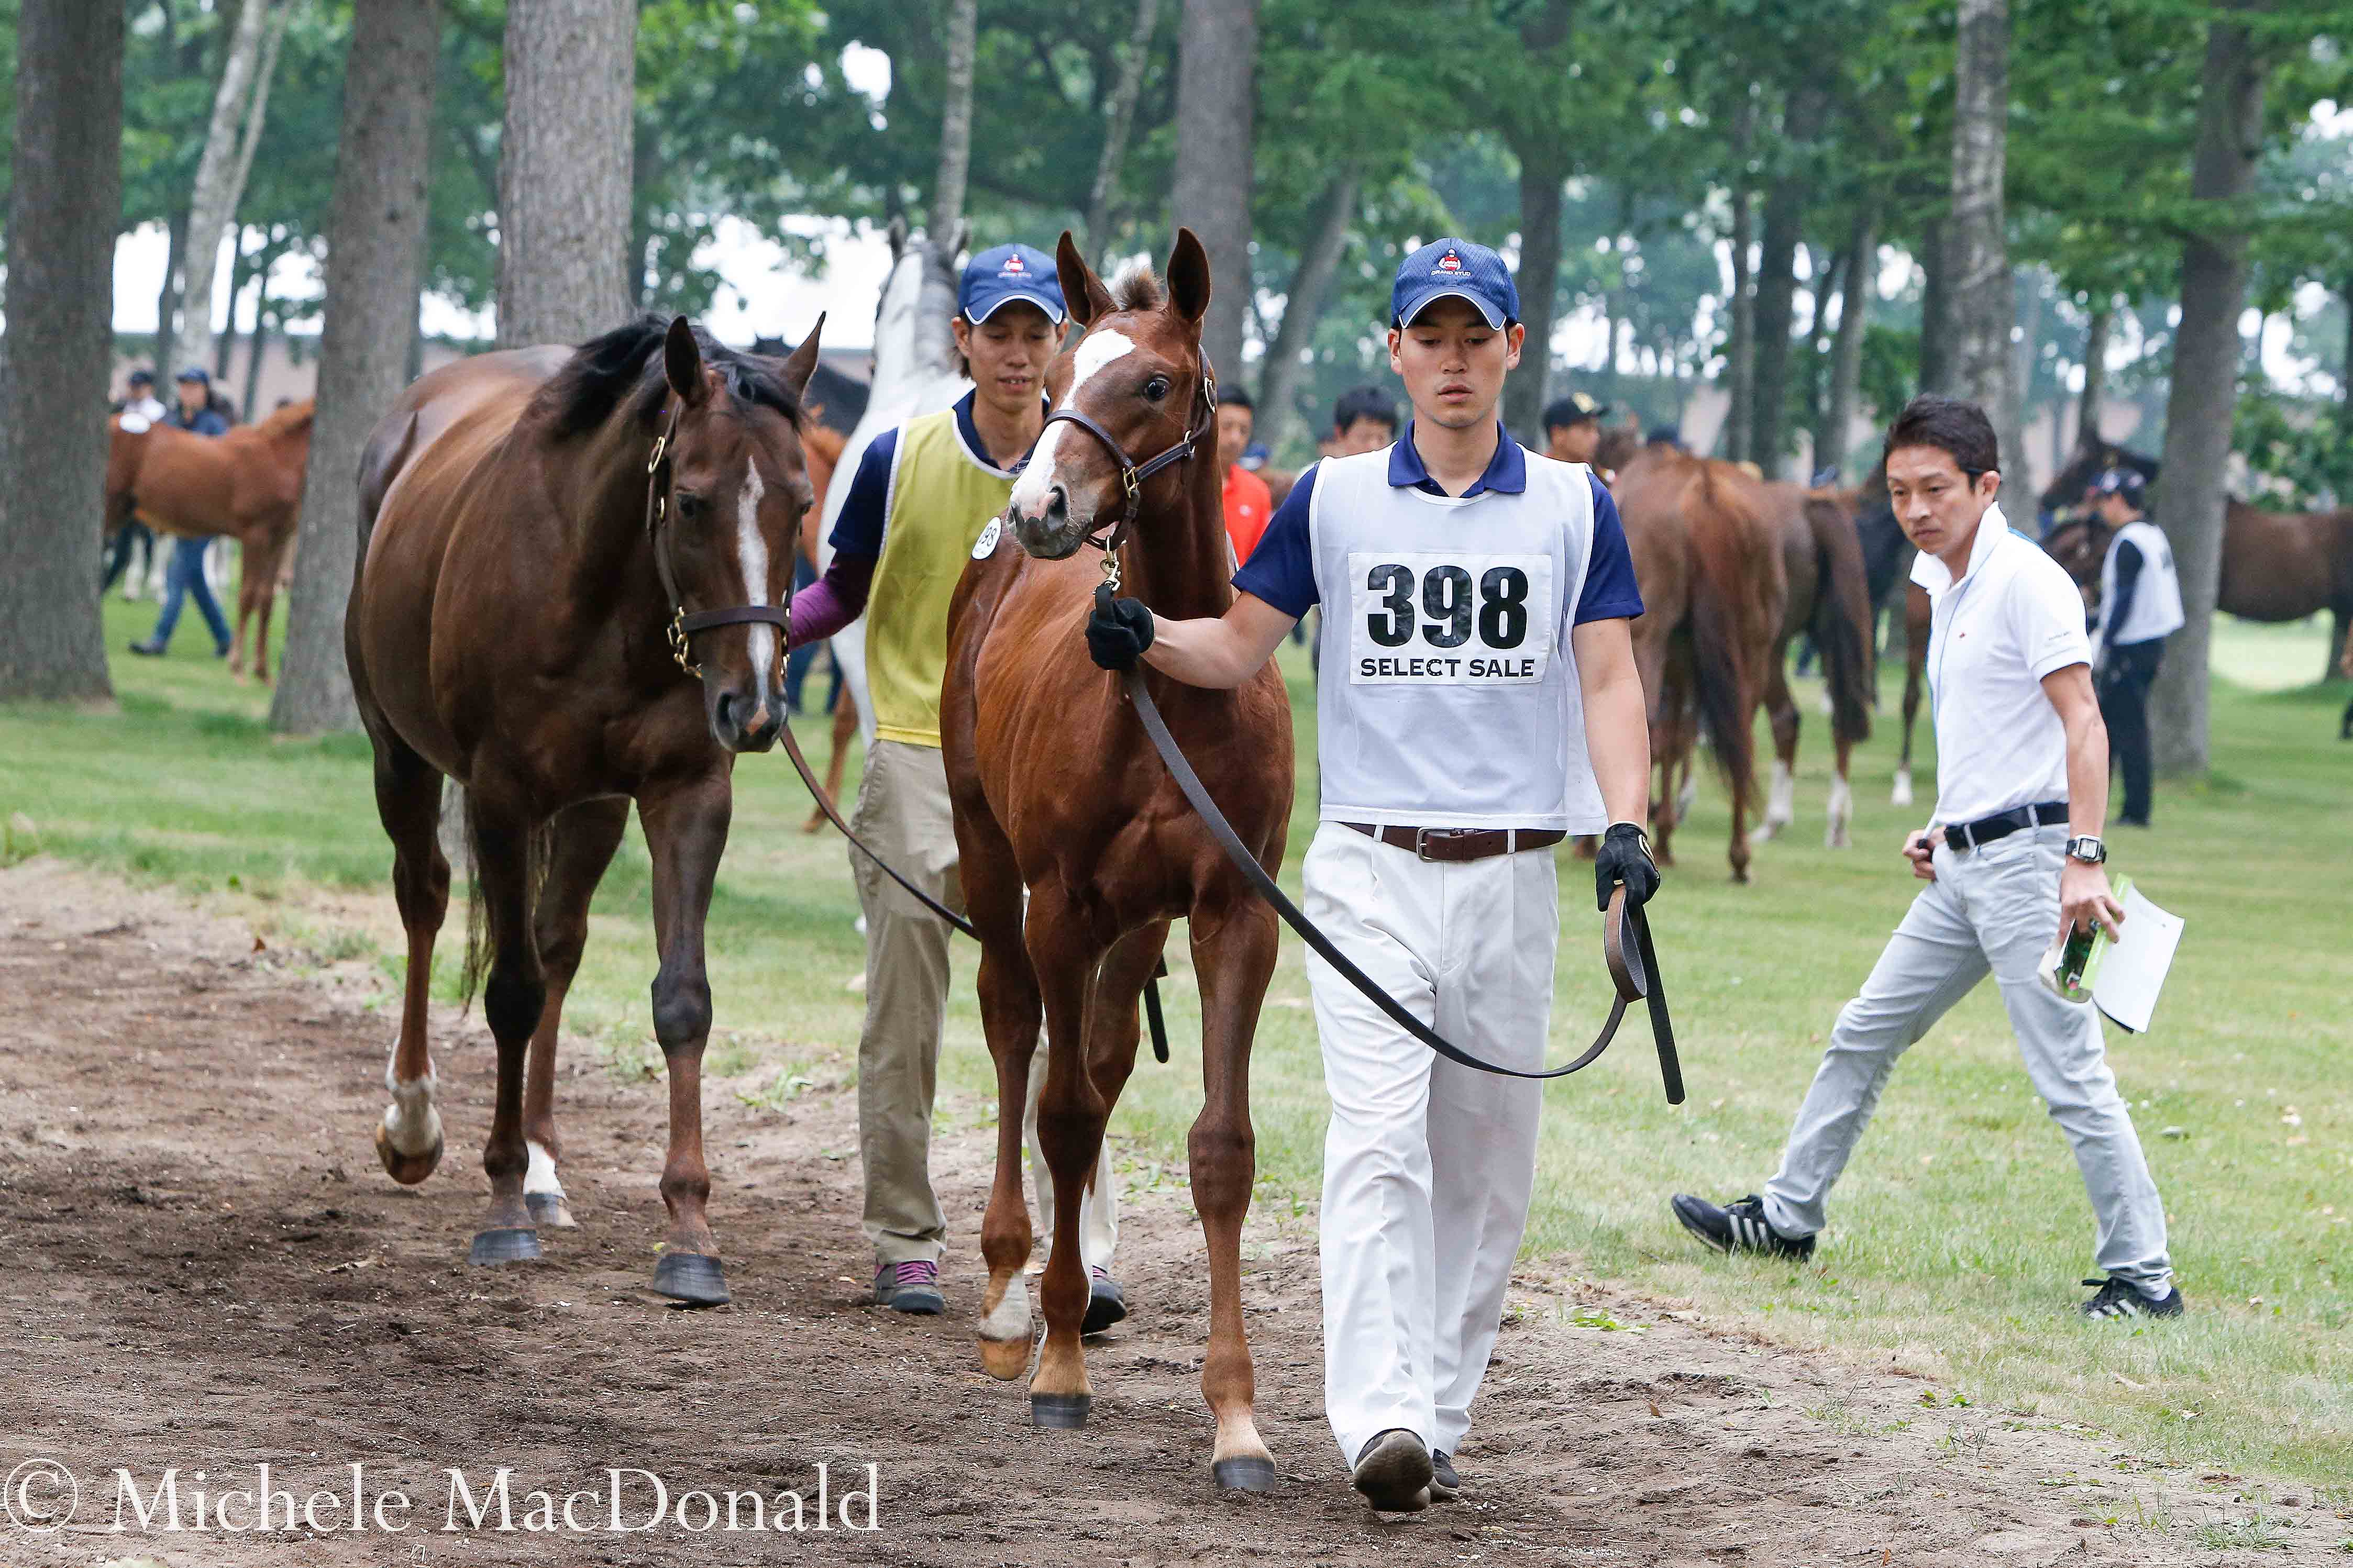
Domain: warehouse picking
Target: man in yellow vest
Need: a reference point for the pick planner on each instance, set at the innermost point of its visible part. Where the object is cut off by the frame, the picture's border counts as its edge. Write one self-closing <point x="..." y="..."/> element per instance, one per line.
<point x="916" y="506"/>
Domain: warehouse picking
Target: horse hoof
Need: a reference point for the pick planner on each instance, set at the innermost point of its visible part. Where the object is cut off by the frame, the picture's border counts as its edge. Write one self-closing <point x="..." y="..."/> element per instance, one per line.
<point x="512" y="1245"/>
<point x="550" y="1211"/>
<point x="407" y="1169"/>
<point x="692" y="1278"/>
<point x="1062" y="1410"/>
<point x="1004" y="1359"/>
<point x="1246" y="1473"/>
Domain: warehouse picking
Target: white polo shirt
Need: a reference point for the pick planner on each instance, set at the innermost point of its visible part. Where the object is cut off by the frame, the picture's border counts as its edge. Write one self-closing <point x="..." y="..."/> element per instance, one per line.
<point x="2014" y="616"/>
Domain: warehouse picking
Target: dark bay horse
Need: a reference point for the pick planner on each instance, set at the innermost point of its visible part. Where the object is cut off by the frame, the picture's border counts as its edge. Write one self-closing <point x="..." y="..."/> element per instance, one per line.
<point x="542" y="531"/>
<point x="1057" y="791"/>
<point x="1830" y="597"/>
<point x="246" y="484"/>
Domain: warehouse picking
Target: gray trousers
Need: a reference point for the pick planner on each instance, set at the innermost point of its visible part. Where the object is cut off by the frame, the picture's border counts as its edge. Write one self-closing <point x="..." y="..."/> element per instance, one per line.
<point x="1993" y="908"/>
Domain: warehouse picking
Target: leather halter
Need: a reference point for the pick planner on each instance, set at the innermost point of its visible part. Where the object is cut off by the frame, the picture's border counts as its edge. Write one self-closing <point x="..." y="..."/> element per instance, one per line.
<point x="1132" y="474"/>
<point x="682" y="626"/>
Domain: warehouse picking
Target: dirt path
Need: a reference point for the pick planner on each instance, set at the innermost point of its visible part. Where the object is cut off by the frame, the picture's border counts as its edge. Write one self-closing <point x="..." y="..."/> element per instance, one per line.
<point x="206" y="1269"/>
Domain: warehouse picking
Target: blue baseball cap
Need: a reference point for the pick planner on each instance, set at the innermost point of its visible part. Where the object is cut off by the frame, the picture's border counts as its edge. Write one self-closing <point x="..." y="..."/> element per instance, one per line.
<point x="196" y="372"/>
<point x="1459" y="270"/>
<point x="1010" y="272"/>
<point x="2124" y="482"/>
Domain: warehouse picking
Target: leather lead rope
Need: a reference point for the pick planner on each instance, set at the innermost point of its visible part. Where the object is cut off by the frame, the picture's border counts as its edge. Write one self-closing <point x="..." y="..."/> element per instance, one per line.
<point x="1635" y="972"/>
<point x="809" y="776"/>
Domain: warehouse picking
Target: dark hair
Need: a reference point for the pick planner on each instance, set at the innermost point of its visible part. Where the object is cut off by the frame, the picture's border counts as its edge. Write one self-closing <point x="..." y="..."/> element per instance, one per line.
<point x="1564" y="411"/>
<point x="1952" y="426"/>
<point x="1235" y="397"/>
<point x="1363" y="403"/>
<point x="1664" y="436"/>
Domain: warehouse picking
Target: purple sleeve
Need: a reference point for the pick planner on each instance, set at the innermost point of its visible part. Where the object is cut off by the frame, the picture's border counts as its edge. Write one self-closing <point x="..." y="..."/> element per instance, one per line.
<point x="832" y="602"/>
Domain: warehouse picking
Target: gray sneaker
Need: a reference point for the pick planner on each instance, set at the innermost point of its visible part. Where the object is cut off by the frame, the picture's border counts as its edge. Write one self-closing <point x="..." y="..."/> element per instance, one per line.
<point x="1445" y="1486"/>
<point x="1394" y="1472"/>
<point x="910" y="1288"/>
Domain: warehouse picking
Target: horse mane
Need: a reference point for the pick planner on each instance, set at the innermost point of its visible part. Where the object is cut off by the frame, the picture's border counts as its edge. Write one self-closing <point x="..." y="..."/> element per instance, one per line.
<point x="286" y="420"/>
<point x="626" y="365"/>
<point x="1137" y="287"/>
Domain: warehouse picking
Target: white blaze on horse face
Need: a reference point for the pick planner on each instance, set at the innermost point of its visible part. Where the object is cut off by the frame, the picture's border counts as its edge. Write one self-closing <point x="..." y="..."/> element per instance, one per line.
<point x="752" y="554"/>
<point x="1099" y="348"/>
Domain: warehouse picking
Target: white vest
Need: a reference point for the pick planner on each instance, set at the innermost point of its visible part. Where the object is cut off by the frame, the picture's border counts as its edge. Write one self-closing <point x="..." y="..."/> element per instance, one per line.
<point x="1448" y="698"/>
<point x="2157" y="594"/>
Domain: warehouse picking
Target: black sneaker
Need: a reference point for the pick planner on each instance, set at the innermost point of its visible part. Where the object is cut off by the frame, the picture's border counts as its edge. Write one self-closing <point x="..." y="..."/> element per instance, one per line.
<point x="910" y="1288"/>
<point x="2123" y="1298"/>
<point x="1738" y="1227"/>
<point x="1445" y="1486"/>
<point x="151" y="648"/>
<point x="1394" y="1472"/>
<point x="1106" y="1302"/>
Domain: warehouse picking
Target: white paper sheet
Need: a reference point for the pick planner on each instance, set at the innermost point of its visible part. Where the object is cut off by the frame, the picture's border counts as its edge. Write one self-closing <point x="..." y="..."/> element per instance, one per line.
<point x="2132" y="971"/>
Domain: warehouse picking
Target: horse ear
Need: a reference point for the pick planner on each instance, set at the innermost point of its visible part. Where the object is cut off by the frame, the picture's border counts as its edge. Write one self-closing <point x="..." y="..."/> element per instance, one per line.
<point x="802" y="363"/>
<point x="1188" y="278"/>
<point x="682" y="361"/>
<point x="1083" y="293"/>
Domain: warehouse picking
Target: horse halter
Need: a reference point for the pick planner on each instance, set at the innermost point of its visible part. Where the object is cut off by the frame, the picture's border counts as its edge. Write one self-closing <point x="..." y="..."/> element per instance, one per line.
<point x="683" y="627"/>
<point x="1132" y="474"/>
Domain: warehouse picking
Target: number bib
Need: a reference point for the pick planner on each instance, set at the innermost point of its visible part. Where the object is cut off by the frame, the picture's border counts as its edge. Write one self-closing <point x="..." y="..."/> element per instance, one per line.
<point x="1447" y="619"/>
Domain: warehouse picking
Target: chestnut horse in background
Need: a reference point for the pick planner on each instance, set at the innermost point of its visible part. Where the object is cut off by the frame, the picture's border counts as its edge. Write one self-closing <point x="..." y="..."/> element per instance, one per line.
<point x="1829" y="597"/>
<point x="1057" y="791"/>
<point x="246" y="484"/>
<point x="549" y="539"/>
<point x="1717" y="520"/>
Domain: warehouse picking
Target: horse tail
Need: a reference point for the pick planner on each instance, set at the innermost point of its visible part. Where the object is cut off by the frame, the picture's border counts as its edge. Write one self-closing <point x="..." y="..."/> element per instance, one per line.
<point x="1842" y="621"/>
<point x="482" y="948"/>
<point x="1721" y="677"/>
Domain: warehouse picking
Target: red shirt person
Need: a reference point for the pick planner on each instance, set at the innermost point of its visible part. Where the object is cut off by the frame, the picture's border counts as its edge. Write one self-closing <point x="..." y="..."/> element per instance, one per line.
<point x="1248" y="502"/>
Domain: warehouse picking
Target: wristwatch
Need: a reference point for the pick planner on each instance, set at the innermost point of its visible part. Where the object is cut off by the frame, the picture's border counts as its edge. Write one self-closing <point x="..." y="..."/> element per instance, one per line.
<point x="2087" y="849"/>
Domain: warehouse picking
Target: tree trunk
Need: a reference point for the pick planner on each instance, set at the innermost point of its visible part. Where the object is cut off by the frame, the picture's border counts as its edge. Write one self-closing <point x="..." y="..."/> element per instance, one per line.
<point x="564" y="169"/>
<point x="956" y="123"/>
<point x="1544" y="169"/>
<point x="256" y="342"/>
<point x="64" y="203"/>
<point x="1777" y="288"/>
<point x="1829" y="278"/>
<point x="1846" y="349"/>
<point x="1123" y="120"/>
<point x="1311" y="286"/>
<point x="1936" y="309"/>
<point x="2190" y="500"/>
<point x="376" y="267"/>
<point x="1216" y="61"/>
<point x="212" y="209"/>
<point x="1982" y="303"/>
<point x="2095" y="375"/>
<point x="1740" y="358"/>
<point x="237" y="278"/>
<point x="167" y="298"/>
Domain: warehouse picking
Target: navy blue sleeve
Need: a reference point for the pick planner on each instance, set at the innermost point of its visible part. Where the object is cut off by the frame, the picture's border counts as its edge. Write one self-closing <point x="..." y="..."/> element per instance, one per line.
<point x="858" y="527"/>
<point x="1282" y="570"/>
<point x="1611" y="594"/>
<point x="2129" y="563"/>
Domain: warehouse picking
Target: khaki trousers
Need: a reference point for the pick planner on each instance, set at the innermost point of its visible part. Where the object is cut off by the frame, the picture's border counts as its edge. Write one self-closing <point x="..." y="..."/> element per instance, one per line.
<point x="903" y="816"/>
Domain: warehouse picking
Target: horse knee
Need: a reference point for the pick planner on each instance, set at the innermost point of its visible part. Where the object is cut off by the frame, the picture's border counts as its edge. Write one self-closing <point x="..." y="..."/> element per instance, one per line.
<point x="681" y="1010"/>
<point x="513" y="1000"/>
<point x="560" y="946"/>
<point x="1224" y="1163"/>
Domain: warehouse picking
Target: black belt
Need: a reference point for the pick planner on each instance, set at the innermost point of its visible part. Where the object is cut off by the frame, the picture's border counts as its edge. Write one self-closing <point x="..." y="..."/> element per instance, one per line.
<point x="1976" y="834"/>
<point x="1456" y="844"/>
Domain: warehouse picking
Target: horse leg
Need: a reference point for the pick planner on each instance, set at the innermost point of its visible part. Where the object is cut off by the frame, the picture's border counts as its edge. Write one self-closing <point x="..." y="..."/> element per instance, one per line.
<point x="685" y="829"/>
<point x="1009" y="1015"/>
<point x="1781" y="707"/>
<point x="585" y="838"/>
<point x="408" y="803"/>
<point x="1841" y="800"/>
<point x="1234" y="950"/>
<point x="1742" y="789"/>
<point x="1113" y="1030"/>
<point x="1915" y="670"/>
<point x="1064" y="955"/>
<point x="513" y="996"/>
<point x="265" y="600"/>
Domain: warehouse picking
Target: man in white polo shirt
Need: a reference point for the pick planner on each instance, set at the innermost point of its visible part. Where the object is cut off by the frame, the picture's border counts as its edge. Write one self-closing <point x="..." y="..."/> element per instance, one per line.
<point x="1482" y="704"/>
<point x="2012" y="855"/>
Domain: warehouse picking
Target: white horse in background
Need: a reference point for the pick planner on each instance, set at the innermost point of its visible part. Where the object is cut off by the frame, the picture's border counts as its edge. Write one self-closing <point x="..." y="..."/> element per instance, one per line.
<point x="914" y="373"/>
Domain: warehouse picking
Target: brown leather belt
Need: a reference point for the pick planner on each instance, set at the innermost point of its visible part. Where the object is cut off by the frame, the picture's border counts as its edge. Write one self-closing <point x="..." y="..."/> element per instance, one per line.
<point x="1455" y="844"/>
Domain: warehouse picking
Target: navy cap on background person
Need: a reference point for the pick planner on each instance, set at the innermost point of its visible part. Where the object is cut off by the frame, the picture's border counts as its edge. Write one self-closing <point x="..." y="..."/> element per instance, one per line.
<point x="1010" y="272"/>
<point x="197" y="373"/>
<point x="142" y="377"/>
<point x="1574" y="409"/>
<point x="1457" y="269"/>
<point x="2126" y="482"/>
<point x="1664" y="436"/>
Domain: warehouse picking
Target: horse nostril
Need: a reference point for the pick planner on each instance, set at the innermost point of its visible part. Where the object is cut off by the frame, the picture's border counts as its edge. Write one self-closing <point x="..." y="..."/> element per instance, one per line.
<point x="725" y="710"/>
<point x="1058" y="502"/>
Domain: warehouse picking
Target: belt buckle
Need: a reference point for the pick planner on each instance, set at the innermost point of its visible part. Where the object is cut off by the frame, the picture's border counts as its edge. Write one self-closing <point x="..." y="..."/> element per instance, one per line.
<point x="1421" y="844"/>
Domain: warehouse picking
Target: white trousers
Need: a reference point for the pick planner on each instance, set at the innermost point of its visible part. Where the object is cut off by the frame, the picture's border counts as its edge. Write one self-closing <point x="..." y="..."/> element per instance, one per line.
<point x="1427" y="1166"/>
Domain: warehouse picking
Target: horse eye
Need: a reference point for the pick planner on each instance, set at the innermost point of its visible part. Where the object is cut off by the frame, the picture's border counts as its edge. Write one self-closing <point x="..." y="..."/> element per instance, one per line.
<point x="689" y="505"/>
<point x="1157" y="388"/>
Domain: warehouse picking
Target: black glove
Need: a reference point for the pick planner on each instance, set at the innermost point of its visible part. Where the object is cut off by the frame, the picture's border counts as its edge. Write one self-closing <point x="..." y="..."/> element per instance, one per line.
<point x="1624" y="856"/>
<point x="1119" y="630"/>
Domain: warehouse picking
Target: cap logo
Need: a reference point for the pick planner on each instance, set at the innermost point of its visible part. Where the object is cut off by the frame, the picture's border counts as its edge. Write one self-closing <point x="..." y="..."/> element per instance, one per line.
<point x="1012" y="265"/>
<point x="1449" y="262"/>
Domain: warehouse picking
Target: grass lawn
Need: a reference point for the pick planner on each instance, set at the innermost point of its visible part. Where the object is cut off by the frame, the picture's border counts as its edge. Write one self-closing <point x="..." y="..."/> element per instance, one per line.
<point x="1955" y="1240"/>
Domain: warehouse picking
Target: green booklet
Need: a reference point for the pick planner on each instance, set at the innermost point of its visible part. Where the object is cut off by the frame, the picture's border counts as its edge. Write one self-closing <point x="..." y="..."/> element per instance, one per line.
<point x="2122" y="975"/>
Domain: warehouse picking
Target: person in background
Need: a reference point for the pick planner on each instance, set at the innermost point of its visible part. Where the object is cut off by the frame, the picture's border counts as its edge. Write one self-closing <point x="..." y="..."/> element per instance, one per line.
<point x="1573" y="428"/>
<point x="2140" y="607"/>
<point x="1364" y="420"/>
<point x="1664" y="436"/>
<point x="1247" y="501"/>
<point x="139" y="402"/>
<point x="185" y="575"/>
